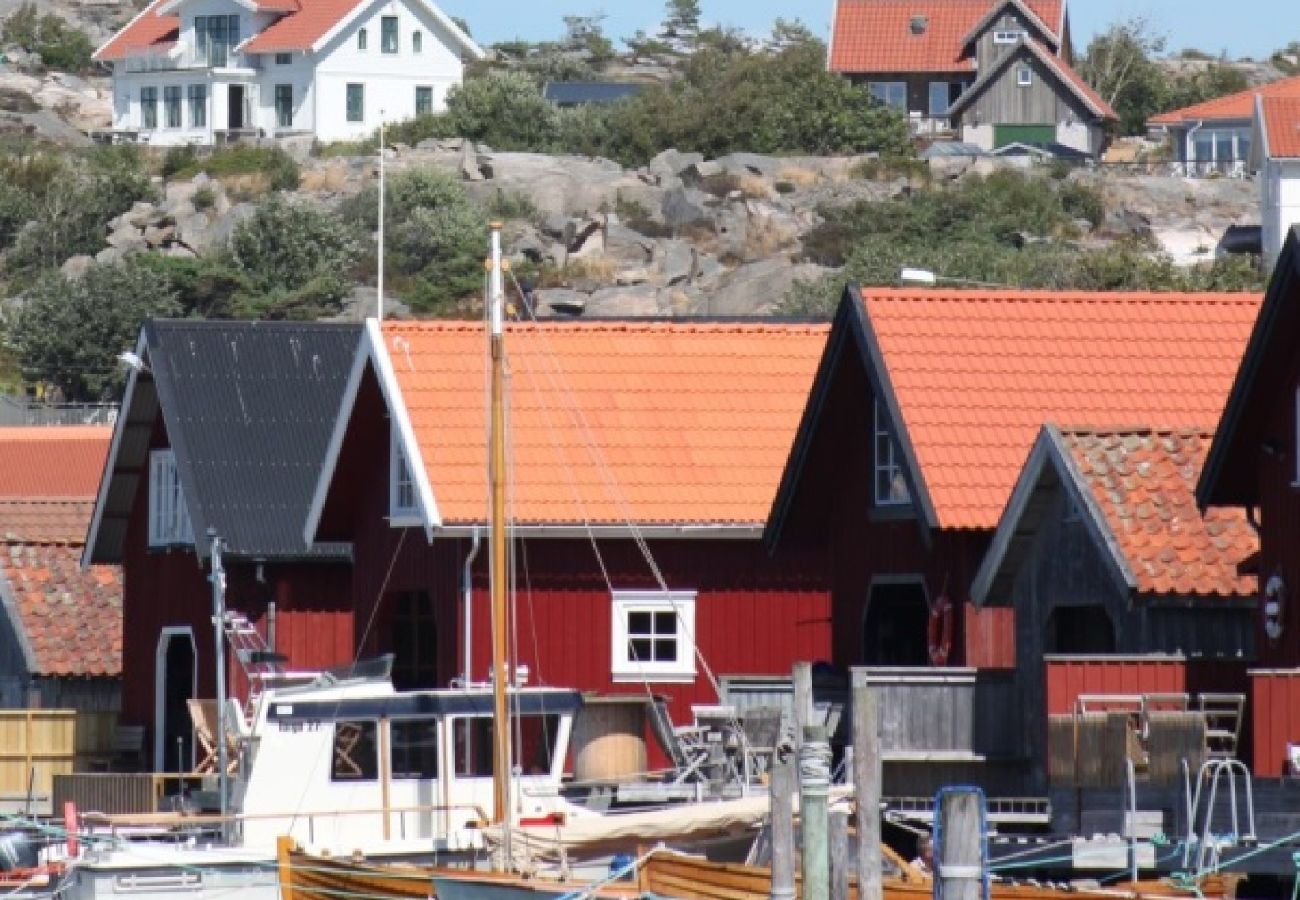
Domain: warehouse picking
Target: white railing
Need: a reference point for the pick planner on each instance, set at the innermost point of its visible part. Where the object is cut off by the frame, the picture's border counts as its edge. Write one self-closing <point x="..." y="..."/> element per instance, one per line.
<point x="178" y="59"/>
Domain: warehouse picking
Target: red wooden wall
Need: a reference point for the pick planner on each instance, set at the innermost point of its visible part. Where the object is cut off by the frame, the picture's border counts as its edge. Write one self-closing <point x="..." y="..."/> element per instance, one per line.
<point x="1275" y="703"/>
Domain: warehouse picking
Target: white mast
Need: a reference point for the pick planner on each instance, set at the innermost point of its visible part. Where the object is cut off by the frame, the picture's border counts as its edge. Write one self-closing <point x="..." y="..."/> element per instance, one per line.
<point x="379" y="312"/>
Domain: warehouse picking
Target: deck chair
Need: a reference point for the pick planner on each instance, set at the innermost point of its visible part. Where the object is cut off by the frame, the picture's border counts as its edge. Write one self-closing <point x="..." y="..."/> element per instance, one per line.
<point x="686" y="747"/>
<point x="203" y="716"/>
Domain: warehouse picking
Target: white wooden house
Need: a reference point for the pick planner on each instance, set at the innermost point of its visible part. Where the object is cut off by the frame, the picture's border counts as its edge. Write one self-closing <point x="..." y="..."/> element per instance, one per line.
<point x="1276" y="157"/>
<point x="206" y="71"/>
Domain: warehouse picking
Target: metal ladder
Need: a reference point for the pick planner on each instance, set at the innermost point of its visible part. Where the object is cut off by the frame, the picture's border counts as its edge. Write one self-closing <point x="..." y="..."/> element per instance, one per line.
<point x="1206" y="844"/>
<point x="257" y="661"/>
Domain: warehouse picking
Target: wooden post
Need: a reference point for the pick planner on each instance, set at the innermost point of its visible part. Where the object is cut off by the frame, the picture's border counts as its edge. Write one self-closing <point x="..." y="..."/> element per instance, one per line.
<point x="385" y="776"/>
<point x="814" y="789"/>
<point x="866" y="784"/>
<point x="959" y="854"/>
<point x="782" y="788"/>
<point x="841" y="859"/>
<point x="803" y="700"/>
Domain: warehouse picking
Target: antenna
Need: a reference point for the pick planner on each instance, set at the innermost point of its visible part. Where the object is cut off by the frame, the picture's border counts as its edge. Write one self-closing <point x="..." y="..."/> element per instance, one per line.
<point x="379" y="301"/>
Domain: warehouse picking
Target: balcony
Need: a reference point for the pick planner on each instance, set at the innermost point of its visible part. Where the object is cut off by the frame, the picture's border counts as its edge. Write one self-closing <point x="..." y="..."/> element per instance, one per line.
<point x="176" y="57"/>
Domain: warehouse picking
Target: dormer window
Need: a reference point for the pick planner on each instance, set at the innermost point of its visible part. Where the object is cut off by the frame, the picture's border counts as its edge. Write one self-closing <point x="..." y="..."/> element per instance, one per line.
<point x="890" y="480"/>
<point x="403" y="507"/>
<point x="1007" y="37"/>
<point x="169" y="520"/>
<point x="919" y="24"/>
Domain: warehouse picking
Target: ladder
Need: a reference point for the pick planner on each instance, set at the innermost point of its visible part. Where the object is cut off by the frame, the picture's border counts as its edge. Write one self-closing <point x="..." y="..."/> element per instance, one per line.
<point x="257" y="661"/>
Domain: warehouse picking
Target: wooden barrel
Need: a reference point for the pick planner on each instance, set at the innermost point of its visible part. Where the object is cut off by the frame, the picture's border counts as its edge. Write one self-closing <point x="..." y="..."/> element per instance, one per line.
<point x="609" y="739"/>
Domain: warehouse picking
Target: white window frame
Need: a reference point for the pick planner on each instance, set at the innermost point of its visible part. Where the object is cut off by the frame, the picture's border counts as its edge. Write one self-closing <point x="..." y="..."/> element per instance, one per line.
<point x="626" y="669"/>
<point x="887" y="92"/>
<point x="401" y="478"/>
<point x="169" y="519"/>
<point x="1024" y="76"/>
<point x="1007" y="36"/>
<point x="891" y="467"/>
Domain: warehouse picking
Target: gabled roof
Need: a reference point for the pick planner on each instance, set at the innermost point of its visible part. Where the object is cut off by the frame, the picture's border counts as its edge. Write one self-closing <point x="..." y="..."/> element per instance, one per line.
<point x="1279" y="126"/>
<point x="1231" y="476"/>
<point x="318" y="21"/>
<point x="248" y="408"/>
<point x="670" y="424"/>
<point x="1064" y="73"/>
<point x="52" y="461"/>
<point x="970" y="376"/>
<point x="1238" y="107"/>
<point x="150" y="29"/>
<point x="1048" y="31"/>
<point x="1135" y="490"/>
<point x="877" y="36"/>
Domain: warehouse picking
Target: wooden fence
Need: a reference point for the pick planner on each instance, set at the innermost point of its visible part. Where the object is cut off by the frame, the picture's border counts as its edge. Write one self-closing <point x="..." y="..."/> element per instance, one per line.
<point x="37" y="744"/>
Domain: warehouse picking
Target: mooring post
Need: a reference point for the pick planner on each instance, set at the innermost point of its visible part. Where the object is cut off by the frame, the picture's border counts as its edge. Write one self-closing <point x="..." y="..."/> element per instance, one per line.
<point x="959" y="855"/>
<point x="782" y="788"/>
<point x="803" y="700"/>
<point x="841" y="858"/>
<point x="866" y="784"/>
<point x="814" y="789"/>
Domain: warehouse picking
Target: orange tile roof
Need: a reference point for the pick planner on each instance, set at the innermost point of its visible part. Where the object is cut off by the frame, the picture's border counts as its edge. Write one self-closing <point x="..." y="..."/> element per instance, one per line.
<point x="302" y="29"/>
<point x="147" y="30"/>
<point x="45" y="520"/>
<point x="876" y="35"/>
<point x="977" y="373"/>
<point x="1071" y="75"/>
<point x="52" y="461"/>
<point x="1281" y="121"/>
<point x="611" y="422"/>
<point x="1239" y="106"/>
<point x="1144" y="483"/>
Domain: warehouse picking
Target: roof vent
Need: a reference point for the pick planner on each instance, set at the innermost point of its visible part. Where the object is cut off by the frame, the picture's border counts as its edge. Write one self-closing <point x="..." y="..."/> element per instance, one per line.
<point x="919" y="24"/>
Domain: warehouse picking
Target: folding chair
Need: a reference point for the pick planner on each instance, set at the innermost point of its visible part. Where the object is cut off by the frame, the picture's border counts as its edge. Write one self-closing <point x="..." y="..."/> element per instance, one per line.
<point x="203" y="715"/>
<point x="686" y="747"/>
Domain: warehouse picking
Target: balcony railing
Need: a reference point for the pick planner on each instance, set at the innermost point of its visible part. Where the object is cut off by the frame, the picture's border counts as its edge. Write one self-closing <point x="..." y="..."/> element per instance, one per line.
<point x="178" y="59"/>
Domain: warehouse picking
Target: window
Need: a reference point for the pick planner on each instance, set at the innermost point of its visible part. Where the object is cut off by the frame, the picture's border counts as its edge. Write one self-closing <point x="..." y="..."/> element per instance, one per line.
<point x="362" y="38"/>
<point x="148" y="107"/>
<point x="939" y="94"/>
<point x="423" y="101"/>
<point x="414" y="749"/>
<point x="356" y="102"/>
<point x="198" y="99"/>
<point x="1024" y="76"/>
<point x="388" y="34"/>
<point x="172" y="106"/>
<point x="283" y="59"/>
<point x="1007" y="37"/>
<point x="169" y="520"/>
<point x="417" y="41"/>
<point x="536" y="743"/>
<point x="284" y="106"/>
<point x="402" y="504"/>
<point x="654" y="636"/>
<point x="356" y="755"/>
<point x="472" y="746"/>
<point x="891" y="483"/>
<point x="214" y="38"/>
<point x="890" y="93"/>
<point x="415" y="641"/>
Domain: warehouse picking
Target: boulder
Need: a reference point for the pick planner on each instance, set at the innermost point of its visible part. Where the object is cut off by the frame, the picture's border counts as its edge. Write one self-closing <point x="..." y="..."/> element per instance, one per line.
<point x="157" y="235"/>
<point x="631" y="300"/>
<point x="75" y="266"/>
<point x="684" y="207"/>
<point x="677" y="261"/>
<point x="109" y="256"/>
<point x="561" y="301"/>
<point x="697" y="172"/>
<point x="751" y="164"/>
<point x="669" y="164"/>
<point x="626" y="245"/>
<point x="757" y="288"/>
<point x="471" y="168"/>
<point x="127" y="239"/>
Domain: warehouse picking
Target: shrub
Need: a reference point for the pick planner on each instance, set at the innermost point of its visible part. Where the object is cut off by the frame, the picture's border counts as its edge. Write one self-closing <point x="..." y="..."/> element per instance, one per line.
<point x="204" y="198"/>
<point x="60" y="46"/>
<point x="507" y="205"/>
<point x="278" y="167"/>
<point x="506" y="110"/>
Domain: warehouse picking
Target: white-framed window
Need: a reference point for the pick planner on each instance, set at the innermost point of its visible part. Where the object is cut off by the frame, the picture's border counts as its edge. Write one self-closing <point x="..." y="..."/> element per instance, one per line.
<point x="891" y="93"/>
<point x="362" y="38"/>
<point x="941" y="97"/>
<point x="890" y="480"/>
<point x="1007" y="37"/>
<point x="653" y="636"/>
<point x="169" y="520"/>
<point x="388" y="41"/>
<point x="417" y="41"/>
<point x="1024" y="76"/>
<point x="403" y="507"/>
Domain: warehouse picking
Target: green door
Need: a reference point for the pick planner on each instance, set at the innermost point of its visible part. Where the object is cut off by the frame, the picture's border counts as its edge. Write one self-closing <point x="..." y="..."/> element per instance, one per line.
<point x="1023" y="134"/>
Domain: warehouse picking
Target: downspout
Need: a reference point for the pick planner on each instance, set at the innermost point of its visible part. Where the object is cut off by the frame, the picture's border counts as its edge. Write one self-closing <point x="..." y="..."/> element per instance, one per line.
<point x="467" y="595"/>
<point x="1187" y="143"/>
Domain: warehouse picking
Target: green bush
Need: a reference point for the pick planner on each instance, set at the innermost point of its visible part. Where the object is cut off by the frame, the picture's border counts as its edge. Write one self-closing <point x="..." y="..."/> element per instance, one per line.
<point x="204" y="198"/>
<point x="281" y="169"/>
<point x="61" y="46"/>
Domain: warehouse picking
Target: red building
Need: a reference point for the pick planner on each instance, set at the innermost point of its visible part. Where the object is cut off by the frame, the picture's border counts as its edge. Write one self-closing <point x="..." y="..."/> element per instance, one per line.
<point x="1254" y="463"/>
<point x="222" y="432"/>
<point x="643" y="462"/>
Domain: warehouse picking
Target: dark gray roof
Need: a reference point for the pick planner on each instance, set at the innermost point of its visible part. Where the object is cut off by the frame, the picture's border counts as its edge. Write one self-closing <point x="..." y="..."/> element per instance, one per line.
<point x="578" y="93"/>
<point x="249" y="409"/>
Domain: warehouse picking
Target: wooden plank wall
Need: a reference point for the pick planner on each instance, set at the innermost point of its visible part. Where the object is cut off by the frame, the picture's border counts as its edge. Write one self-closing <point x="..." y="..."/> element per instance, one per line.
<point x="50" y="742"/>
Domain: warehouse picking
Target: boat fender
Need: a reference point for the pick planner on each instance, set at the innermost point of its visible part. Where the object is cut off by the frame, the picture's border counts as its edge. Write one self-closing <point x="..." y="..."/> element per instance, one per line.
<point x="939" y="631"/>
<point x="1274" y="606"/>
<point x="70" y="827"/>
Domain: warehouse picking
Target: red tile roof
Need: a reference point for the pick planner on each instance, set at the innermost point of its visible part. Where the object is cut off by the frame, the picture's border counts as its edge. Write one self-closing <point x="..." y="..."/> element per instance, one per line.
<point x="654" y="423"/>
<point x="977" y="373"/>
<point x="302" y="29"/>
<point x="148" y="30"/>
<point x="1144" y="483"/>
<point x="1232" y="107"/>
<point x="53" y="461"/>
<point x="1280" y="117"/>
<point x="876" y="35"/>
<point x="44" y="520"/>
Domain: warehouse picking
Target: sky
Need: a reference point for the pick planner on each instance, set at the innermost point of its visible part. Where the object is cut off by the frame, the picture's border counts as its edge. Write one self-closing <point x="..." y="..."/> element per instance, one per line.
<point x="1253" y="28"/>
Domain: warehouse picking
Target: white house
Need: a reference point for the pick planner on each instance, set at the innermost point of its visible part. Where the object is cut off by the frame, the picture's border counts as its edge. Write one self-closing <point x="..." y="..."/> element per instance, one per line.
<point x="205" y="71"/>
<point x="1275" y="155"/>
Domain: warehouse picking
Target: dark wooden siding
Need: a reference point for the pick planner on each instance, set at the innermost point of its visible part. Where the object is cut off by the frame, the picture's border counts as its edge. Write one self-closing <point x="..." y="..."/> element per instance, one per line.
<point x="987" y="51"/>
<point x="918" y="85"/>
<point x="1045" y="102"/>
<point x="1279" y="517"/>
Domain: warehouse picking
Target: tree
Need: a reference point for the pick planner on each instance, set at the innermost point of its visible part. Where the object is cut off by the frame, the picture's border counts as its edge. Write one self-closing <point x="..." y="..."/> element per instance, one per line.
<point x="1215" y="80"/>
<point x="681" y="25"/>
<point x="1120" y="65"/>
<point x="68" y="332"/>
<point x="60" y="45"/>
<point x="586" y="34"/>
<point x="787" y="33"/>
<point x="505" y="110"/>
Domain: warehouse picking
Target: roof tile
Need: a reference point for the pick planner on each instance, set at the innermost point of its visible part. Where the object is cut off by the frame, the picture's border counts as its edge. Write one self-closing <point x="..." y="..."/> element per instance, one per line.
<point x="52" y="461"/>
<point x="616" y="422"/>
<point x="1232" y="107"/>
<point x="1144" y="482"/>
<point x="1281" y="117"/>
<point x="1011" y="360"/>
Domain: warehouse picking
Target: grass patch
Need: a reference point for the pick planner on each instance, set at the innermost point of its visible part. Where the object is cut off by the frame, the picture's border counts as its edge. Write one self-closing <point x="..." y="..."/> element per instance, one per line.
<point x="278" y="168"/>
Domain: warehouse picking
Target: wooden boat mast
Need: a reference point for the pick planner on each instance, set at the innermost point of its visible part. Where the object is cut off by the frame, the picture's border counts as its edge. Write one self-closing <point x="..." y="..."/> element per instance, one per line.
<point x="497" y="538"/>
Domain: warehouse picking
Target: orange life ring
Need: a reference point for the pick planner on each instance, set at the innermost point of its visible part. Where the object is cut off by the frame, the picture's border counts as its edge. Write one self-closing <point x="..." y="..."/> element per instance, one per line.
<point x="939" y="632"/>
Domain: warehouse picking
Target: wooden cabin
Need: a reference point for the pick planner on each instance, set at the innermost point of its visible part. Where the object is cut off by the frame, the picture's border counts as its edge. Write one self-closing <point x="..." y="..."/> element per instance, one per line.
<point x="1254" y="465"/>
<point x="222" y="432"/>
<point x="643" y="460"/>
